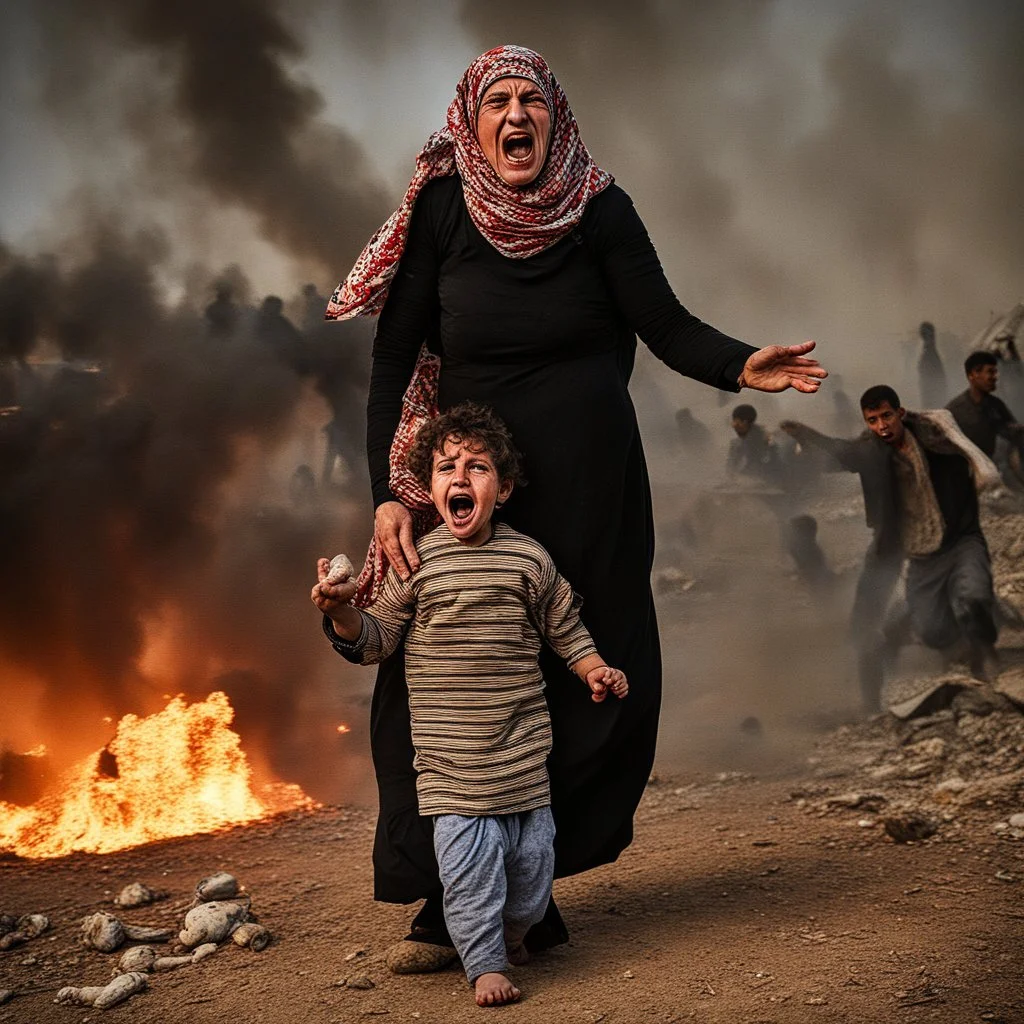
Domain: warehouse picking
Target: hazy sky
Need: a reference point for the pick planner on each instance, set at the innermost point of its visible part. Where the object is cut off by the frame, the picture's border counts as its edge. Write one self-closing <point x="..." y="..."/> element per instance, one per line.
<point x="835" y="169"/>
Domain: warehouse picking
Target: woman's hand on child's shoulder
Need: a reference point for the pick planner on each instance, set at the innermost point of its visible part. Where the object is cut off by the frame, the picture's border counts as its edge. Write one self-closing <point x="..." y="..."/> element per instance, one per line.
<point x="605" y="678"/>
<point x="328" y="597"/>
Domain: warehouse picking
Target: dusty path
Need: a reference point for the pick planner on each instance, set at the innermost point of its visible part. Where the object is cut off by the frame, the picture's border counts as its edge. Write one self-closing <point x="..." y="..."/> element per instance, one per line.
<point x="734" y="905"/>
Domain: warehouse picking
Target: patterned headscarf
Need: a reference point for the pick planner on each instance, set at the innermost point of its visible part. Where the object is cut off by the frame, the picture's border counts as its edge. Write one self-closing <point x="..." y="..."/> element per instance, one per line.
<point x="519" y="221"/>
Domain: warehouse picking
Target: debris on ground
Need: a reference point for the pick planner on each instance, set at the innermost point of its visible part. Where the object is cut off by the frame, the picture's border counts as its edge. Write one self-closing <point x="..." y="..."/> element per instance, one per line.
<point x="102" y="997"/>
<point x="137" y="894"/>
<point x="17" y="931"/>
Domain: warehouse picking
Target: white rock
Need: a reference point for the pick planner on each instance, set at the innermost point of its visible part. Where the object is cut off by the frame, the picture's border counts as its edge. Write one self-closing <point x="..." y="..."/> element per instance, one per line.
<point x="138" y="958"/>
<point x="84" y="996"/>
<point x="340" y="571"/>
<point x="220" y="886"/>
<point x="121" y="988"/>
<point x="137" y="895"/>
<point x="211" y="922"/>
<point x="102" y="931"/>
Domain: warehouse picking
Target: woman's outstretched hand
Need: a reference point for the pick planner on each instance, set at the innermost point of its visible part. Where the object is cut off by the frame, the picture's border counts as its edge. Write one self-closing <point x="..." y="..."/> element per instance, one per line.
<point x="778" y="367"/>
<point x="392" y="526"/>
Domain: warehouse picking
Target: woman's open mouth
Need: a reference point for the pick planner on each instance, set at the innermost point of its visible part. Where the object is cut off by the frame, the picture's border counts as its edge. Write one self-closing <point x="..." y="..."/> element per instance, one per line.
<point x="518" y="147"/>
<point x="461" y="507"/>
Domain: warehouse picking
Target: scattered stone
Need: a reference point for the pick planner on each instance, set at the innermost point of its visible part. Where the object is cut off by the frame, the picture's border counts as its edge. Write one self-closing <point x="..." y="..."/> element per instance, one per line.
<point x="170" y="963"/>
<point x="212" y="922"/>
<point x="220" y="886"/>
<point x="137" y="895"/>
<point x="628" y="974"/>
<point x="102" y="997"/>
<point x="1016" y="821"/>
<point x="6" y="995"/>
<point x="203" y="952"/>
<point x="928" y="748"/>
<point x="102" y="931"/>
<point x="949" y="789"/>
<point x="360" y="981"/>
<point x="1011" y="686"/>
<point x="979" y="701"/>
<point x="138" y="958"/>
<point x="994" y="789"/>
<point x="84" y="996"/>
<point x="253" y="935"/>
<point x="30" y="961"/>
<point x="909" y="828"/>
<point x="864" y="801"/>
<point x="121" y="988"/>
<point x="24" y="929"/>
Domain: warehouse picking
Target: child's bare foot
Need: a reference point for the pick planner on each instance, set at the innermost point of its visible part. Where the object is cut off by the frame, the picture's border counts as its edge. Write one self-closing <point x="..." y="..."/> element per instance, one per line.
<point x="493" y="989"/>
<point x="517" y="955"/>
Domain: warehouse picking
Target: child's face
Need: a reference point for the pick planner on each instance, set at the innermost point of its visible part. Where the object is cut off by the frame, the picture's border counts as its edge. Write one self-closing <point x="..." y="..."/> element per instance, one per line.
<point x="465" y="487"/>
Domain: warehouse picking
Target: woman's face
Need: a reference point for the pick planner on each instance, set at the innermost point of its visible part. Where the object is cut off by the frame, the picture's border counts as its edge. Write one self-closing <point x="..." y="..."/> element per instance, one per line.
<point x="514" y="128"/>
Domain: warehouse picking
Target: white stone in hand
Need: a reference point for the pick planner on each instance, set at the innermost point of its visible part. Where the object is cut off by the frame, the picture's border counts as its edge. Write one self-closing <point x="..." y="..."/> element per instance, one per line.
<point x="340" y="571"/>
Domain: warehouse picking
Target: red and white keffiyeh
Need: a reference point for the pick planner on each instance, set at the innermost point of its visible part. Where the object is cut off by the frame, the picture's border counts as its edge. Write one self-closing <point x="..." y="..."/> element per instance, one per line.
<point x="519" y="221"/>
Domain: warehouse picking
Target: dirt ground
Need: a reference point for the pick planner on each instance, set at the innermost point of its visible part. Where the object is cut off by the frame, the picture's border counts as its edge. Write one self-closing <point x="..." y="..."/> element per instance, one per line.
<point x="734" y="905"/>
<point x="761" y="888"/>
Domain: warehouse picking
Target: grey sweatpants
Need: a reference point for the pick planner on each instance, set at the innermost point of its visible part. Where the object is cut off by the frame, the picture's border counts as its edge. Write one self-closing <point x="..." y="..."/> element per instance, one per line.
<point x="950" y="594"/>
<point x="496" y="872"/>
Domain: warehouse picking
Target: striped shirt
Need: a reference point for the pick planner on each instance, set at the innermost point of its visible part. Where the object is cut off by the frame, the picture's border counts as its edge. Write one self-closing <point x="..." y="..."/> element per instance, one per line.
<point x="474" y="620"/>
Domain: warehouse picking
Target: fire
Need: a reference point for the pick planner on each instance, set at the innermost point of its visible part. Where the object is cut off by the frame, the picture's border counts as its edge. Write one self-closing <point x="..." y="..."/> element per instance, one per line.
<point x="344" y="728"/>
<point x="179" y="771"/>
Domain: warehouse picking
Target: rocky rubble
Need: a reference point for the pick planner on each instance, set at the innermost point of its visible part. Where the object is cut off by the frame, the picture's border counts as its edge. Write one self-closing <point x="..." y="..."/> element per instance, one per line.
<point x="218" y="911"/>
<point x="925" y="776"/>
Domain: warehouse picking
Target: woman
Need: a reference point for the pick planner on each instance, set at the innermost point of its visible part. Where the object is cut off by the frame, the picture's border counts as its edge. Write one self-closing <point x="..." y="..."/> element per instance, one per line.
<point x="530" y="274"/>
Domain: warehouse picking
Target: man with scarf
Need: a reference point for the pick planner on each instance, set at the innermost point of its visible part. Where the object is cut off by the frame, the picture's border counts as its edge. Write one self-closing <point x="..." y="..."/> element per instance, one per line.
<point x="918" y="473"/>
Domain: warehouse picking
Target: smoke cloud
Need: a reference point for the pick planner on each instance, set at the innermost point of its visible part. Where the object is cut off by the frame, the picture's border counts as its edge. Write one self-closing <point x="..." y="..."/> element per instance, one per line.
<point x="839" y="174"/>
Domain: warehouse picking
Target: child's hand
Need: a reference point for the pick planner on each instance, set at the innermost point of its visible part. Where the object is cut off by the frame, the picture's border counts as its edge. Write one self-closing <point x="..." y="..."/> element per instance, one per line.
<point x="605" y="678"/>
<point x="329" y="597"/>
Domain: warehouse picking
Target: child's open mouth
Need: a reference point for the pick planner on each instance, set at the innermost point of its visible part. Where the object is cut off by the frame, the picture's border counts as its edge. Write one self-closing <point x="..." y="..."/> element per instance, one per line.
<point x="461" y="507"/>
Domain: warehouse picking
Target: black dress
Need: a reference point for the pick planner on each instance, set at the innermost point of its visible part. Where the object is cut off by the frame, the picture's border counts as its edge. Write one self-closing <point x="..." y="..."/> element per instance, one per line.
<point x="548" y="342"/>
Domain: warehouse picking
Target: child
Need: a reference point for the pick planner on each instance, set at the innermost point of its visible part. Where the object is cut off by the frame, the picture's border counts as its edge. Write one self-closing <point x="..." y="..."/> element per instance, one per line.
<point x="474" y="616"/>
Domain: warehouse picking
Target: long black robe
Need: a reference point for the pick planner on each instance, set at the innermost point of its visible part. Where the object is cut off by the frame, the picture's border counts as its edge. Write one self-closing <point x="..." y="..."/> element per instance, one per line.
<point x="549" y="343"/>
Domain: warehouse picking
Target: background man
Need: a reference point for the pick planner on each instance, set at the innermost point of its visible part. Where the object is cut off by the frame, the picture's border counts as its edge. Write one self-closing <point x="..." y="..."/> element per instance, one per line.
<point x="921" y="502"/>
<point x="930" y="372"/>
<point x="751" y="451"/>
<point x="983" y="417"/>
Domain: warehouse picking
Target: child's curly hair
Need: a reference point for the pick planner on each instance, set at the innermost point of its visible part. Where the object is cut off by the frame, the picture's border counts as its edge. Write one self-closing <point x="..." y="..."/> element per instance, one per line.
<point x="466" y="421"/>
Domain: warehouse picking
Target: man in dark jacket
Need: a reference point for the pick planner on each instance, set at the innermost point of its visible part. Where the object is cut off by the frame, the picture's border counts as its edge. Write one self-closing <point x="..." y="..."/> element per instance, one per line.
<point x="979" y="414"/>
<point x="921" y="502"/>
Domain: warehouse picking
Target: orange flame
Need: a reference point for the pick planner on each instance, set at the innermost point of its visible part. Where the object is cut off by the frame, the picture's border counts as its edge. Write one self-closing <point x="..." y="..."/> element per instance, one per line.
<point x="179" y="771"/>
<point x="344" y="728"/>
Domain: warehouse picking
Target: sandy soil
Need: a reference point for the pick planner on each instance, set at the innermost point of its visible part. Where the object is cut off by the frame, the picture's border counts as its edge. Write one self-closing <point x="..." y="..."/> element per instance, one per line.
<point x="761" y="887"/>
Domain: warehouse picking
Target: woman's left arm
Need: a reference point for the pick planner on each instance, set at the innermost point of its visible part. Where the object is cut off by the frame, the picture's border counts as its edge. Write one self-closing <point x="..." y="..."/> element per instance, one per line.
<point x="641" y="291"/>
